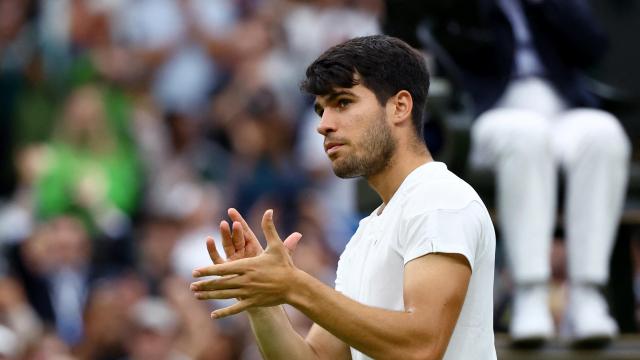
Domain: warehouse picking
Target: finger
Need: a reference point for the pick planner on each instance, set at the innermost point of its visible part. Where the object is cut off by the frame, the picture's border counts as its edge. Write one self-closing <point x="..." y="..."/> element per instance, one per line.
<point x="228" y="268"/>
<point x="235" y="216"/>
<point x="238" y="307"/>
<point x="227" y="242"/>
<point x="237" y="237"/>
<point x="213" y="252"/>
<point x="220" y="294"/>
<point x="252" y="245"/>
<point x="226" y="282"/>
<point x="269" y="229"/>
<point x="292" y="241"/>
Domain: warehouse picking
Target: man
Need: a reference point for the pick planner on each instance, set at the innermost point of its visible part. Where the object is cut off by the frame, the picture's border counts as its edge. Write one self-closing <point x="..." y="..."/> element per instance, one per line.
<point x="416" y="279"/>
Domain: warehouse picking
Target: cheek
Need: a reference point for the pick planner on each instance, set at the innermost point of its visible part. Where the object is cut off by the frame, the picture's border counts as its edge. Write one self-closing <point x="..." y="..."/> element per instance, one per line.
<point x="371" y="126"/>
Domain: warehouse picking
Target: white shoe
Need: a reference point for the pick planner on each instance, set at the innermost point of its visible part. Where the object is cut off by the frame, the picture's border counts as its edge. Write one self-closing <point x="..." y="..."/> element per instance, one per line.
<point x="589" y="321"/>
<point x="531" y="321"/>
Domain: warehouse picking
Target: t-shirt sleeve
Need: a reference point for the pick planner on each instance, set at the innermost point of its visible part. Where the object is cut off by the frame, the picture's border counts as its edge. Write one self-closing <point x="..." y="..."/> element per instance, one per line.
<point x="339" y="282"/>
<point x="443" y="231"/>
<point x="340" y="271"/>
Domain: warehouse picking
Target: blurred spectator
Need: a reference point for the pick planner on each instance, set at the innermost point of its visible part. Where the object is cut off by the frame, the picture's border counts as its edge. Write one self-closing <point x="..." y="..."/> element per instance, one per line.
<point x="522" y="61"/>
<point x="262" y="140"/>
<point x="312" y="26"/>
<point x="176" y="157"/>
<point x="162" y="33"/>
<point x="174" y="326"/>
<point x="203" y="207"/>
<point x="106" y="318"/>
<point x="155" y="328"/>
<point x="156" y="241"/>
<point x="87" y="169"/>
<point x="54" y="265"/>
<point x="199" y="337"/>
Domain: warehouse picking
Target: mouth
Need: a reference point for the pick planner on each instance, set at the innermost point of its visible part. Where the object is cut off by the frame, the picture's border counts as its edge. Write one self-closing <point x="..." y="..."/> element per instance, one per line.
<point x="331" y="147"/>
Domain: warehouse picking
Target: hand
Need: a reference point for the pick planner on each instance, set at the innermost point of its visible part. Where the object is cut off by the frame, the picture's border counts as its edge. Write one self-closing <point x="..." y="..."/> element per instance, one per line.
<point x="263" y="280"/>
<point x="238" y="240"/>
<point x="91" y="188"/>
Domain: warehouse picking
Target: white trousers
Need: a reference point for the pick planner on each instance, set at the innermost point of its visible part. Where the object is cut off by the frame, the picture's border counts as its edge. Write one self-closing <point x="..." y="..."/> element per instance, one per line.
<point x="525" y="139"/>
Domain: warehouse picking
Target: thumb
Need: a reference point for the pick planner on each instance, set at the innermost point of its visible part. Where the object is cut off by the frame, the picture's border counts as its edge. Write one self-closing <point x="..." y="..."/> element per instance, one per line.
<point x="269" y="229"/>
<point x="292" y="241"/>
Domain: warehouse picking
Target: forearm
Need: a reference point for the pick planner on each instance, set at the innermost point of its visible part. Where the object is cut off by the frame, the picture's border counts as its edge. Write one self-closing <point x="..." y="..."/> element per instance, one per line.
<point x="275" y="335"/>
<point x="379" y="333"/>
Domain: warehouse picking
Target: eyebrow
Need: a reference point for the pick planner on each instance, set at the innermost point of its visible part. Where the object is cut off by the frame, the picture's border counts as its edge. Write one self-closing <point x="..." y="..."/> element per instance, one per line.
<point x="332" y="96"/>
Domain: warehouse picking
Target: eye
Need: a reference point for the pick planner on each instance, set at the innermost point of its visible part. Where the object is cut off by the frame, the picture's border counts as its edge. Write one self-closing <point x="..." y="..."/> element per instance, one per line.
<point x="343" y="103"/>
<point x="319" y="110"/>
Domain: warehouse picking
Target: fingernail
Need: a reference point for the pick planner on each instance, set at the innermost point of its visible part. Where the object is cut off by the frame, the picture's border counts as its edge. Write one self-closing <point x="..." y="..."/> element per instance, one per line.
<point x="214" y="315"/>
<point x="195" y="273"/>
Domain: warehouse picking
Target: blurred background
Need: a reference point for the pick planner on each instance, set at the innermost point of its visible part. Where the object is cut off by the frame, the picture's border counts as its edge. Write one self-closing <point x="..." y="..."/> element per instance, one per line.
<point x="128" y="127"/>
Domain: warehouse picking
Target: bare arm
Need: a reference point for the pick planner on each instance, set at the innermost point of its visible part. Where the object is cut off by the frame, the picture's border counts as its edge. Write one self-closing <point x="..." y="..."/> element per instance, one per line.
<point x="278" y="340"/>
<point x="432" y="300"/>
<point x="434" y="290"/>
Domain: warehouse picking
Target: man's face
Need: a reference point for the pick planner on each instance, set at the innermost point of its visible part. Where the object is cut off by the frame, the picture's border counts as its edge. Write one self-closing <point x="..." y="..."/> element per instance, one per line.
<point x="357" y="137"/>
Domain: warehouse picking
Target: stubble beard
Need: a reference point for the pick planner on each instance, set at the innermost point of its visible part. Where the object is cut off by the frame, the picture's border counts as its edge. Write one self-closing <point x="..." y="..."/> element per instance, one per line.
<point x="374" y="155"/>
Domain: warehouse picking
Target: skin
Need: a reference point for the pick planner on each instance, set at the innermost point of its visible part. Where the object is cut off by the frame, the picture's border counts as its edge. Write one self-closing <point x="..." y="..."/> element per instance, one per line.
<point x="374" y="148"/>
<point x="357" y="130"/>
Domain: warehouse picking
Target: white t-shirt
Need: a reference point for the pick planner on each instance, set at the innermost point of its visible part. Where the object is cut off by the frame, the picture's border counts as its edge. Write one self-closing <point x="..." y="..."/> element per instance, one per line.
<point x="433" y="211"/>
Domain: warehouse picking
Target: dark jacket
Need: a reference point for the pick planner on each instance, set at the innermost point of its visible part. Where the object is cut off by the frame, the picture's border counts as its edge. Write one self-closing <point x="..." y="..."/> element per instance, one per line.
<point x="478" y="37"/>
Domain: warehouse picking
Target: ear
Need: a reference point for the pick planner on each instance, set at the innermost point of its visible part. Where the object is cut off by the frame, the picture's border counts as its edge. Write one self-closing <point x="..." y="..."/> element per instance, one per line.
<point x="401" y="105"/>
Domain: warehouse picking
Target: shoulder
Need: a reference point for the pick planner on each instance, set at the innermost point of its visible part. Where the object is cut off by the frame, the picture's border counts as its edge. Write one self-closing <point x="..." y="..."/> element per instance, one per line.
<point x="440" y="213"/>
<point x="433" y="187"/>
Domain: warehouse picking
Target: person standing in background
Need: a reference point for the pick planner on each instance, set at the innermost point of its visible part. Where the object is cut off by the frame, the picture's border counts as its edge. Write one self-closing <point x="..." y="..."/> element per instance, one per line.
<point x="522" y="62"/>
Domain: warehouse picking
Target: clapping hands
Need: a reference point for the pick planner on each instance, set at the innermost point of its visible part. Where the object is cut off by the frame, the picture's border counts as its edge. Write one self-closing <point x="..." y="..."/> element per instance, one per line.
<point x="254" y="276"/>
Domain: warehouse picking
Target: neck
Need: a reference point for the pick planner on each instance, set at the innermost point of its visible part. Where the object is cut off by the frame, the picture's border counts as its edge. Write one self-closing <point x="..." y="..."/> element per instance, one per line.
<point x="402" y="163"/>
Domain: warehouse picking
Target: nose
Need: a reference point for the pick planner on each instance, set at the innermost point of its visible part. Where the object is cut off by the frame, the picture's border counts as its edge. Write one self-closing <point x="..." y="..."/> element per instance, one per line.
<point x="327" y="123"/>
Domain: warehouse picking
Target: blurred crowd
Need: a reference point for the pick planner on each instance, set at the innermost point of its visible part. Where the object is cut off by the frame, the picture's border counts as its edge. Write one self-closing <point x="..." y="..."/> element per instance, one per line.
<point x="128" y="128"/>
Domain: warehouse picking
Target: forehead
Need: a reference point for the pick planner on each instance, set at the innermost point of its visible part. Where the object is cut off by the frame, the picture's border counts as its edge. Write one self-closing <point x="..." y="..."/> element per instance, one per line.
<point x="358" y="91"/>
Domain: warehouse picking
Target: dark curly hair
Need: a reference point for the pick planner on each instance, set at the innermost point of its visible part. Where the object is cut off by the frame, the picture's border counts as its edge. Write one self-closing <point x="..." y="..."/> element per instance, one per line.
<point x="383" y="64"/>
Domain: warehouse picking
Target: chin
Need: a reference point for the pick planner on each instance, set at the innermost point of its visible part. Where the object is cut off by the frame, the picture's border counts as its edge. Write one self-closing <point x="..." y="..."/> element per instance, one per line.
<point x="346" y="176"/>
<point x="345" y="173"/>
